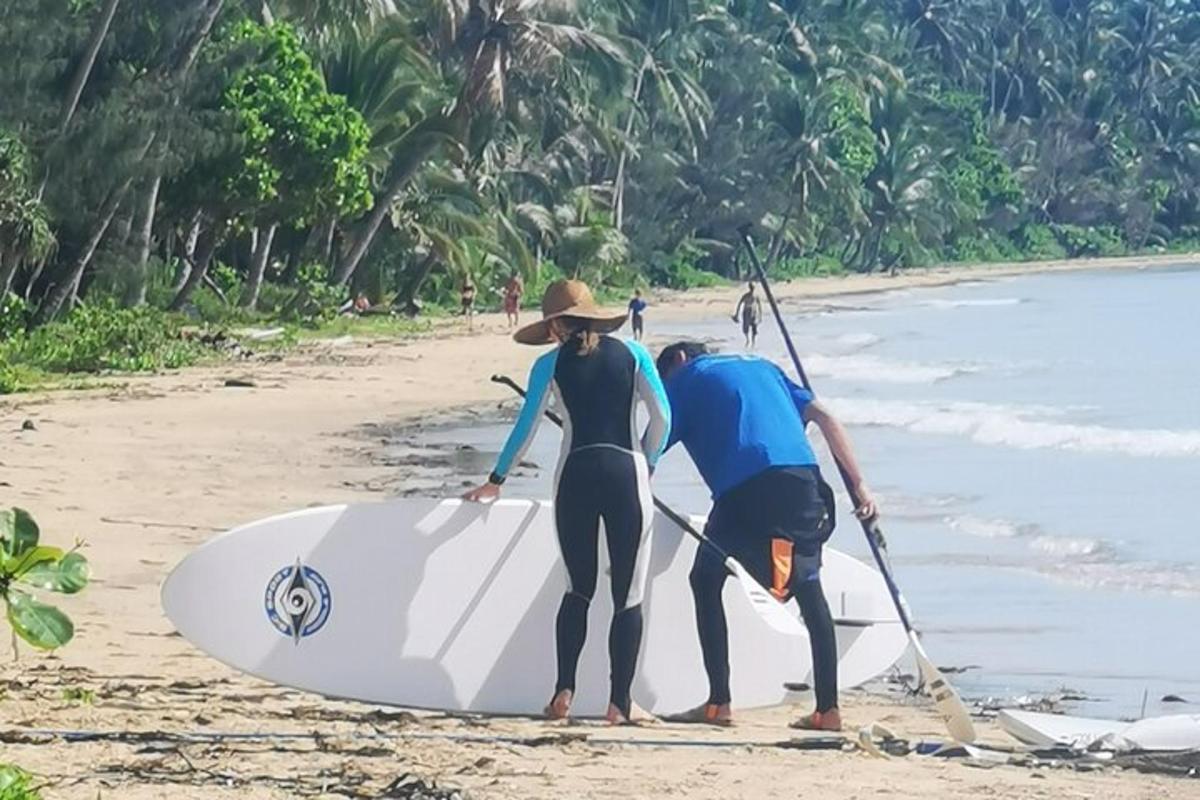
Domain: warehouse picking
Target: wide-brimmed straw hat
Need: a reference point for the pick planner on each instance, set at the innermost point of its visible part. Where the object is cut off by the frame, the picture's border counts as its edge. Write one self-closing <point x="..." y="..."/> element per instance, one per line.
<point x="569" y="299"/>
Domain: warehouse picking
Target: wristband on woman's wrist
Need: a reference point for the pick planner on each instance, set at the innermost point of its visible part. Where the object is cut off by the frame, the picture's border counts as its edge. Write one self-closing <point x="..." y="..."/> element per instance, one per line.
<point x="496" y="479"/>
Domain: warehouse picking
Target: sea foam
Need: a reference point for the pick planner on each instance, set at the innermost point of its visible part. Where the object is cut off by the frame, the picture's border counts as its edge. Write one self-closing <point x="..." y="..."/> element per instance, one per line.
<point x="1026" y="428"/>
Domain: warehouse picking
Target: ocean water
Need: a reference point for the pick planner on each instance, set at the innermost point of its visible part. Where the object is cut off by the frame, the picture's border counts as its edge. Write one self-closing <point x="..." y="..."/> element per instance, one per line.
<point x="1035" y="446"/>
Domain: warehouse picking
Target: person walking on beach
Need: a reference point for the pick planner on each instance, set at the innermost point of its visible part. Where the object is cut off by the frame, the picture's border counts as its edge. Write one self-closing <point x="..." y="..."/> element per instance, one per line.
<point x="743" y="423"/>
<point x="636" y="306"/>
<point x="603" y="474"/>
<point x="750" y="310"/>
<point x="467" y="298"/>
<point x="513" y="290"/>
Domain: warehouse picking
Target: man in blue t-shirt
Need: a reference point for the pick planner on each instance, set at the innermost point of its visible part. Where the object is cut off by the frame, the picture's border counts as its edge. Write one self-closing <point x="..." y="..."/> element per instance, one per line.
<point x="742" y="421"/>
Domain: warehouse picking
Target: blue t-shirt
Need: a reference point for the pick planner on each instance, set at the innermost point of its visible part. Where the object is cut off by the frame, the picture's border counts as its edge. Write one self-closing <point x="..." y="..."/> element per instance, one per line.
<point x="637" y="305"/>
<point x="737" y="416"/>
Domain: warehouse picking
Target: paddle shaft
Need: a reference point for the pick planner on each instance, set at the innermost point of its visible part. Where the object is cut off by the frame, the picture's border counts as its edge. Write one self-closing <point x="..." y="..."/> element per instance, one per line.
<point x="667" y="511"/>
<point x="870" y="526"/>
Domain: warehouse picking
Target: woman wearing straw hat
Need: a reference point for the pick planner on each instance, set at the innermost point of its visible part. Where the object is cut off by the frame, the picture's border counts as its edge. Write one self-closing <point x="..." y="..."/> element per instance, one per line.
<point x="603" y="473"/>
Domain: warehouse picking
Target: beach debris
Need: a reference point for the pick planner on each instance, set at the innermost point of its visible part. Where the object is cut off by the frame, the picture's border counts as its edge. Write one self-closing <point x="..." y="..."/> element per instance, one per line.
<point x="958" y="670"/>
<point x="28" y="425"/>
<point x="411" y="787"/>
<point x="260" y="334"/>
<point x="1046" y="704"/>
<point x="879" y="741"/>
<point x="239" y="383"/>
<point x="1184" y="764"/>
<point x="814" y="743"/>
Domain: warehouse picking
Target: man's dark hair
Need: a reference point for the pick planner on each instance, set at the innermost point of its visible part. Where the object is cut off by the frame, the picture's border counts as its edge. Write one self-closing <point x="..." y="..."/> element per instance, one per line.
<point x="671" y="352"/>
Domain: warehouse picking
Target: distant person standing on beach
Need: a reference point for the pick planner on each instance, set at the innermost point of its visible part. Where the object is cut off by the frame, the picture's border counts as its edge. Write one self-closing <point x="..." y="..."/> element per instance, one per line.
<point x="743" y="423"/>
<point x="636" y="306"/>
<point x="467" y="298"/>
<point x="749" y="309"/>
<point x="512" y="299"/>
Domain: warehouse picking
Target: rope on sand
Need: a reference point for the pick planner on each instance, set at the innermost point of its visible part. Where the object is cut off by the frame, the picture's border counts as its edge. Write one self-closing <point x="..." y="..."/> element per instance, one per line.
<point x="30" y="735"/>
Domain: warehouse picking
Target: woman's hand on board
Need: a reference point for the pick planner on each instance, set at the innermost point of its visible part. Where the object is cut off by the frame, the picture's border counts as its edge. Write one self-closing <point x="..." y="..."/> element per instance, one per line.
<point x="484" y="493"/>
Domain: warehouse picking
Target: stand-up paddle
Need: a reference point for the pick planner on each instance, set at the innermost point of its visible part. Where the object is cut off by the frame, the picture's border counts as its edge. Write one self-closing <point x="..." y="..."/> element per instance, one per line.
<point x="771" y="610"/>
<point x="948" y="703"/>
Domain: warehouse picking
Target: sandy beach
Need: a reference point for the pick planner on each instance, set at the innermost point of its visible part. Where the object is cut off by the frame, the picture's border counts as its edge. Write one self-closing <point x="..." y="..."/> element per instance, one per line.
<point x="148" y="467"/>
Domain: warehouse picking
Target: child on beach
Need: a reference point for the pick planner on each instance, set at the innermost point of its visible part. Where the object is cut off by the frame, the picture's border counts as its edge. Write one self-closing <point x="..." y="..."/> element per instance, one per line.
<point x="467" y="298"/>
<point x="636" y="306"/>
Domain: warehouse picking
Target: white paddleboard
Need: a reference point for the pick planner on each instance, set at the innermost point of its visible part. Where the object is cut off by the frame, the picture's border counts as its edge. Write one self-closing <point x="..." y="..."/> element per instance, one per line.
<point x="450" y="605"/>
<point x="1172" y="732"/>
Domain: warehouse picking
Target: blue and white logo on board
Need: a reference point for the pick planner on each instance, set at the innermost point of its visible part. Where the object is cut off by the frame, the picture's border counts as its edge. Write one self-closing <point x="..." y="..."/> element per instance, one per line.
<point x="298" y="601"/>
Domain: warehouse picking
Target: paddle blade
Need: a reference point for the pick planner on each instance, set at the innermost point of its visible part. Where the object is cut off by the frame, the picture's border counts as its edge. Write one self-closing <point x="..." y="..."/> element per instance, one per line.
<point x="773" y="612"/>
<point x="949" y="705"/>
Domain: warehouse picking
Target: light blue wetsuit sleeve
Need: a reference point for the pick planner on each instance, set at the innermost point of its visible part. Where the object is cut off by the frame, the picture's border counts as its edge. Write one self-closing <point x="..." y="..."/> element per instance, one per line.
<point x="651" y="392"/>
<point x="537" y="397"/>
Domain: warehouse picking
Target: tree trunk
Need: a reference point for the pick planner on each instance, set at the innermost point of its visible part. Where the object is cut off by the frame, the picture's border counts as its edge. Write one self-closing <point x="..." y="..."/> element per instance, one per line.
<point x="8" y="268"/>
<point x="370" y="227"/>
<point x="123" y="227"/>
<point x="66" y="287"/>
<point x="189" y="252"/>
<point x="84" y="70"/>
<point x="622" y="160"/>
<point x="327" y="231"/>
<point x="407" y="296"/>
<point x="205" y="249"/>
<point x="402" y="172"/>
<point x="776" y="244"/>
<point x="188" y="57"/>
<point x="258" y="266"/>
<point x="82" y="73"/>
<point x="145" y="239"/>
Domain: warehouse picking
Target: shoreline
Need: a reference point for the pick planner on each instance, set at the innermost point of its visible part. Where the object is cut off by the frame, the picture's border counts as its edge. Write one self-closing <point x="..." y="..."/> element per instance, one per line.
<point x="148" y="467"/>
<point x="852" y="284"/>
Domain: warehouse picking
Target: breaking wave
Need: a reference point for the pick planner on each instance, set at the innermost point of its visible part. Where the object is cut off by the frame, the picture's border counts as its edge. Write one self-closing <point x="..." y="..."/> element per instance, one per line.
<point x="858" y="341"/>
<point x="991" y="302"/>
<point x="859" y="367"/>
<point x="1023" y="428"/>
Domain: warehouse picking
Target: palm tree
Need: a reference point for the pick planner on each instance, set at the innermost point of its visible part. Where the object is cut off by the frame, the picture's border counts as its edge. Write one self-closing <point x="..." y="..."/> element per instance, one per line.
<point x="904" y="189"/>
<point x="662" y="36"/>
<point x="801" y="130"/>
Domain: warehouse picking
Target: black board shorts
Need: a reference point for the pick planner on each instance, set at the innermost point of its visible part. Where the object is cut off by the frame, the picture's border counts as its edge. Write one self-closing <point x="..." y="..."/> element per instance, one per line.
<point x="775" y="525"/>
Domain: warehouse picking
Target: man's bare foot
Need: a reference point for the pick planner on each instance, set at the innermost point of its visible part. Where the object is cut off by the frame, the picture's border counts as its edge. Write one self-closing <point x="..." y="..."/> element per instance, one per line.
<point x="718" y="714"/>
<point x="830" y="720"/>
<point x="559" y="706"/>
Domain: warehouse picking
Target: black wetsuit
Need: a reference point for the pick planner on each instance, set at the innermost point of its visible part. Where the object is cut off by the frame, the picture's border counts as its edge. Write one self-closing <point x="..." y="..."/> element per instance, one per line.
<point x="603" y="475"/>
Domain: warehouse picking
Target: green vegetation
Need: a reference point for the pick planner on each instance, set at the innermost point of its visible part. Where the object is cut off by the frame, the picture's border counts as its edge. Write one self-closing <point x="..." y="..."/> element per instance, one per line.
<point x="216" y="162"/>
<point x="26" y="565"/>
<point x="16" y="784"/>
<point x="80" y="695"/>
